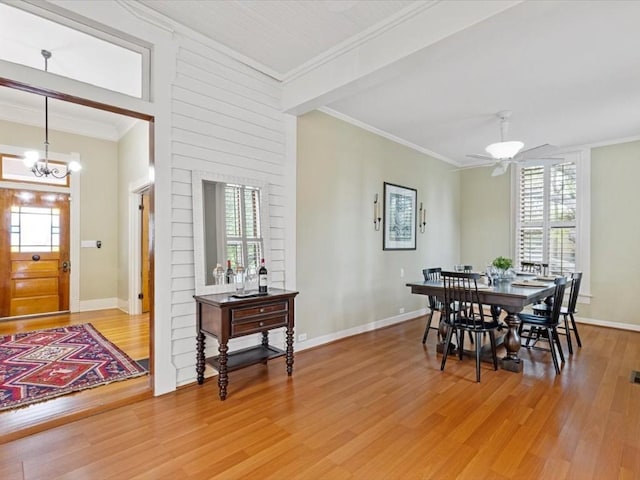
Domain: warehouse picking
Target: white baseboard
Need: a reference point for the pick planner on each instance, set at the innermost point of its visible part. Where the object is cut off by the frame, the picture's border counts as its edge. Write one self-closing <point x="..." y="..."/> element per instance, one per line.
<point x="605" y="323"/>
<point x="367" y="327"/>
<point x="98" y="304"/>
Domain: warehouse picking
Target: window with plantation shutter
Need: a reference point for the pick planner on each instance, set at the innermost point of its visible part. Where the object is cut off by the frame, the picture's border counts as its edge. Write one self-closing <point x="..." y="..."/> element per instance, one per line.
<point x="546" y="215"/>
<point x="242" y="226"/>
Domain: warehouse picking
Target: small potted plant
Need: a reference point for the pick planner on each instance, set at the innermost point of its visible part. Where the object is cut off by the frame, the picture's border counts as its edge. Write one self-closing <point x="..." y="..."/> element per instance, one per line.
<point x="502" y="267"/>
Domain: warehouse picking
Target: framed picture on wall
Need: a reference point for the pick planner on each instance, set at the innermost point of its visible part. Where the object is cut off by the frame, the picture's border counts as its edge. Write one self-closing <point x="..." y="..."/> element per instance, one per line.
<point x="399" y="218"/>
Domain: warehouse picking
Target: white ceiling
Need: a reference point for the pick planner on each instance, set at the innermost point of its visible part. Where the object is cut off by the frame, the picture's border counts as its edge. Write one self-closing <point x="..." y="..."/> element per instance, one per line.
<point x="569" y="70"/>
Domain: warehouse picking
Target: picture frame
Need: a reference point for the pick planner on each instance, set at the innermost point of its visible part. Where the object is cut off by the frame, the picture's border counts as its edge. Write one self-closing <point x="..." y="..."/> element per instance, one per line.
<point x="399" y="217"/>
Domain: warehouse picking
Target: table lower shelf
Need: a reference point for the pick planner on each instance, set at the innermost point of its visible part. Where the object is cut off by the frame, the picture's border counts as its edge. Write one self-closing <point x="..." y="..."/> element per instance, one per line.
<point x="247" y="356"/>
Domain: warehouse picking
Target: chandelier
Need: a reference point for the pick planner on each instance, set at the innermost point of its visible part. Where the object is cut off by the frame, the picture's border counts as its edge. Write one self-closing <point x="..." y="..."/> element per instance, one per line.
<point x="41" y="167"/>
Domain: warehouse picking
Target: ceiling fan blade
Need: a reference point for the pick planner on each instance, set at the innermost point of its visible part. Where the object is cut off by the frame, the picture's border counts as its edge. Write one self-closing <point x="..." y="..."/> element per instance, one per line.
<point x="500" y="169"/>
<point x="481" y="157"/>
<point x="537" y="152"/>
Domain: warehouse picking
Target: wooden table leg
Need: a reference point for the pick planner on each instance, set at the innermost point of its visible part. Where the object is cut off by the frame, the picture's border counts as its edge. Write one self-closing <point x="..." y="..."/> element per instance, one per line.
<point x="200" y="357"/>
<point x="223" y="377"/>
<point x="511" y="361"/>
<point x="289" y="351"/>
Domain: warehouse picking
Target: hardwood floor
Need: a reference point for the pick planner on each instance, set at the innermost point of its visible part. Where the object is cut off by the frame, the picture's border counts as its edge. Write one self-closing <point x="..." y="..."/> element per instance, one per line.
<point x="129" y="332"/>
<point x="372" y="406"/>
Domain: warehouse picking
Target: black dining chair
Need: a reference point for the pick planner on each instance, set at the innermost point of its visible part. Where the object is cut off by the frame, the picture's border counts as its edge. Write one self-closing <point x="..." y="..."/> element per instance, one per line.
<point x="567" y="312"/>
<point x="435" y="305"/>
<point x="537" y="268"/>
<point x="547" y="323"/>
<point x="463" y="312"/>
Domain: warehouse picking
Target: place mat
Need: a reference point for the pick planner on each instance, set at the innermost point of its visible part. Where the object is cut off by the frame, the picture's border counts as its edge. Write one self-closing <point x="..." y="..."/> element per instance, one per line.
<point x="530" y="283"/>
<point x="546" y="278"/>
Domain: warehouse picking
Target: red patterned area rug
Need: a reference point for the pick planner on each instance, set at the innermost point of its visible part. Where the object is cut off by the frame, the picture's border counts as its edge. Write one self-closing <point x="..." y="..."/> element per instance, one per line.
<point x="37" y="366"/>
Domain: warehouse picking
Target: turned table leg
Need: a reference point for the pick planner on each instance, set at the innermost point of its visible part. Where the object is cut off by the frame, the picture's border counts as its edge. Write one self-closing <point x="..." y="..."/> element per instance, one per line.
<point x="223" y="377"/>
<point x="511" y="361"/>
<point x="289" y="351"/>
<point x="200" y="357"/>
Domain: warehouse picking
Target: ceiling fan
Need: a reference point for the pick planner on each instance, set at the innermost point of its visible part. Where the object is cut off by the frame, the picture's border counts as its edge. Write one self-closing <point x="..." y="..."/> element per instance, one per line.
<point x="504" y="153"/>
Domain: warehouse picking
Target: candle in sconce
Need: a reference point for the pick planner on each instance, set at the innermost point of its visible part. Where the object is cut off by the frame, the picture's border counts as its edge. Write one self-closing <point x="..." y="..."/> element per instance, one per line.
<point x="375" y="208"/>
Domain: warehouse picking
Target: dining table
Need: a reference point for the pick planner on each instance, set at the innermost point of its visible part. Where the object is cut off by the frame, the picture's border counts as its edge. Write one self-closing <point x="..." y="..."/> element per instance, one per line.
<point x="510" y="296"/>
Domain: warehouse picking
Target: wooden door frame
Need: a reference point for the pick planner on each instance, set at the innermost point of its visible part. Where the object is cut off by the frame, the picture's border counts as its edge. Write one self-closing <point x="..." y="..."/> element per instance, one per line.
<point x="7" y="82"/>
<point x="136" y="189"/>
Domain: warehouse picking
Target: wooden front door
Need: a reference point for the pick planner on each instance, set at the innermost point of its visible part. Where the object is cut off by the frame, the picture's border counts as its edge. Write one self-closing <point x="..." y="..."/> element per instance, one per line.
<point x="34" y="251"/>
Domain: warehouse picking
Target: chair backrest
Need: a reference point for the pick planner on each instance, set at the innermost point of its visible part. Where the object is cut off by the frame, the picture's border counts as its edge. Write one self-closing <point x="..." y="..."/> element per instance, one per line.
<point x="461" y="297"/>
<point x="431" y="274"/>
<point x="576" y="279"/>
<point x="558" y="296"/>
<point x="534" y="267"/>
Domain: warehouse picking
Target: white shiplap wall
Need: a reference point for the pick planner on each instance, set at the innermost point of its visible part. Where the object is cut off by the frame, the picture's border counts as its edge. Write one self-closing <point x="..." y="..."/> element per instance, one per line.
<point x="226" y="119"/>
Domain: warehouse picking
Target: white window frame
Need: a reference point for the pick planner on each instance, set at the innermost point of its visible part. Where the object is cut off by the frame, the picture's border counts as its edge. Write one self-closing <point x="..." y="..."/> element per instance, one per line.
<point x="582" y="159"/>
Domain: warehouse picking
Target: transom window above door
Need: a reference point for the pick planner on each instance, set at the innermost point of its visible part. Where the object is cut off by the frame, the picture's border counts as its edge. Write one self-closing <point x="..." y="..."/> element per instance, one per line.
<point x="80" y="52"/>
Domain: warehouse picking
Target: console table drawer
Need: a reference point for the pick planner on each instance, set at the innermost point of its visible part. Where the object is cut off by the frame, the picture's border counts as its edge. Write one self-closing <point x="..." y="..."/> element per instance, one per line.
<point x="257" y="325"/>
<point x="248" y="312"/>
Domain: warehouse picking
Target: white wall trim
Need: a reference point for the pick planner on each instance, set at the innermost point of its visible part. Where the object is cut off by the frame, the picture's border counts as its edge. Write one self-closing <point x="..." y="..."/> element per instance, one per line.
<point x="387" y="135"/>
<point x="99" y="304"/>
<point x="367" y="327"/>
<point x="605" y="323"/>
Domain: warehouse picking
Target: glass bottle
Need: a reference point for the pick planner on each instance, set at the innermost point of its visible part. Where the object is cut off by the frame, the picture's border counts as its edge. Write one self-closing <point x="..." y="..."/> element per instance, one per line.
<point x="262" y="277"/>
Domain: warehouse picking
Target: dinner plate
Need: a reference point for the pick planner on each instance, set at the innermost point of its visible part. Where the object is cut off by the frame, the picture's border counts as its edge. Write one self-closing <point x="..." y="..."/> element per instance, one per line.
<point x="529" y="283"/>
<point x="546" y="279"/>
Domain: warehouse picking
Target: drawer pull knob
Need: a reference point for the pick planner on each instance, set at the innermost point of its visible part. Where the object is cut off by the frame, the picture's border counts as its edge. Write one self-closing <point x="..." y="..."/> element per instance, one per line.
<point x="262" y="324"/>
<point x="262" y="310"/>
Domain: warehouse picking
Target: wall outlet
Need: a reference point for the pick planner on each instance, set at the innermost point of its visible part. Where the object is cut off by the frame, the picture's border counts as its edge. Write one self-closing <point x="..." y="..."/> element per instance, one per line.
<point x="402" y="273"/>
<point x="401" y="309"/>
<point x="302" y="337"/>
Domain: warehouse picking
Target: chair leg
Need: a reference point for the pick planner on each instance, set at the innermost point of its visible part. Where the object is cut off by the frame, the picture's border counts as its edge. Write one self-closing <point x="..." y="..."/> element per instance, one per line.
<point x="492" y="339"/>
<point x="447" y="344"/>
<point x="556" y="338"/>
<point x="427" y="328"/>
<point x="575" y="330"/>
<point x="461" y="343"/>
<point x="568" y="334"/>
<point x="478" y="343"/>
<point x="552" y="346"/>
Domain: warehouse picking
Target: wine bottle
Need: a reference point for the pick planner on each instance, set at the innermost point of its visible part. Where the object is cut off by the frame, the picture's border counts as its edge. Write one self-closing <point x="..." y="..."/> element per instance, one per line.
<point x="229" y="273"/>
<point x="262" y="278"/>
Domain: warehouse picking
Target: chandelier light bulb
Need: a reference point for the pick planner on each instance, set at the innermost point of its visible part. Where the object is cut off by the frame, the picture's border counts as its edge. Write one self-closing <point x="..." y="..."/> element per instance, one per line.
<point x="74" y="166"/>
<point x="30" y="158"/>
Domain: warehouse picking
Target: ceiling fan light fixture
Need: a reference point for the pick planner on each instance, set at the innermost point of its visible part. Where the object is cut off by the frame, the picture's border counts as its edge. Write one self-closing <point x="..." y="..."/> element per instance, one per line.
<point x="504" y="150"/>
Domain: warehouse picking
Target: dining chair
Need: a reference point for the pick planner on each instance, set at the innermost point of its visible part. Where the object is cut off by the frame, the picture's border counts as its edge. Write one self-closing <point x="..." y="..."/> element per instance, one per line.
<point x="462" y="312"/>
<point x="547" y="323"/>
<point x="567" y="312"/>
<point x="538" y="268"/>
<point x="435" y="305"/>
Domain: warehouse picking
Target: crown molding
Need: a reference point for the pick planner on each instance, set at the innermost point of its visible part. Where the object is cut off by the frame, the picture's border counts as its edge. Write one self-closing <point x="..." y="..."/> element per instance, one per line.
<point x="387" y="135"/>
<point x="63" y="123"/>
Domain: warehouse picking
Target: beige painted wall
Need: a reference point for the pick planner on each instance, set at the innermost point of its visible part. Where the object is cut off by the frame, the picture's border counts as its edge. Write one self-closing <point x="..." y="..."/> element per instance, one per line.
<point x="485" y="217"/>
<point x="133" y="167"/>
<point x="615" y="228"/>
<point x="98" y="203"/>
<point x="345" y="278"/>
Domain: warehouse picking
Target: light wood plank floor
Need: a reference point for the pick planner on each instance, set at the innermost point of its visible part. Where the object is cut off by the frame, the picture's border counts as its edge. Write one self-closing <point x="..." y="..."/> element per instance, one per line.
<point x="373" y="406"/>
<point x="129" y="332"/>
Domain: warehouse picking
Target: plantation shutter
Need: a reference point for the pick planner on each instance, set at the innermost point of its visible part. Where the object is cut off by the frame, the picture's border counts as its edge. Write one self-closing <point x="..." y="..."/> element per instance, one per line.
<point x="531" y="233"/>
<point x="242" y="220"/>
<point x="547" y="216"/>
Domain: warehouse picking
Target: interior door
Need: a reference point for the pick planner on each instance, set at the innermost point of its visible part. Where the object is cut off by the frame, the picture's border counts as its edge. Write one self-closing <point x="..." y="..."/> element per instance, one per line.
<point x="144" y="251"/>
<point x="34" y="252"/>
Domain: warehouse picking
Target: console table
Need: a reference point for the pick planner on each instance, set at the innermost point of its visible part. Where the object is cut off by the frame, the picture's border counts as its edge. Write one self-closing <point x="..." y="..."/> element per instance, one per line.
<point x="224" y="316"/>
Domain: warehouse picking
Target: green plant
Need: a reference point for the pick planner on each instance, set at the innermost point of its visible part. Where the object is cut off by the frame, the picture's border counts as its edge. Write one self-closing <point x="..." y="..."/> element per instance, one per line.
<point x="503" y="263"/>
